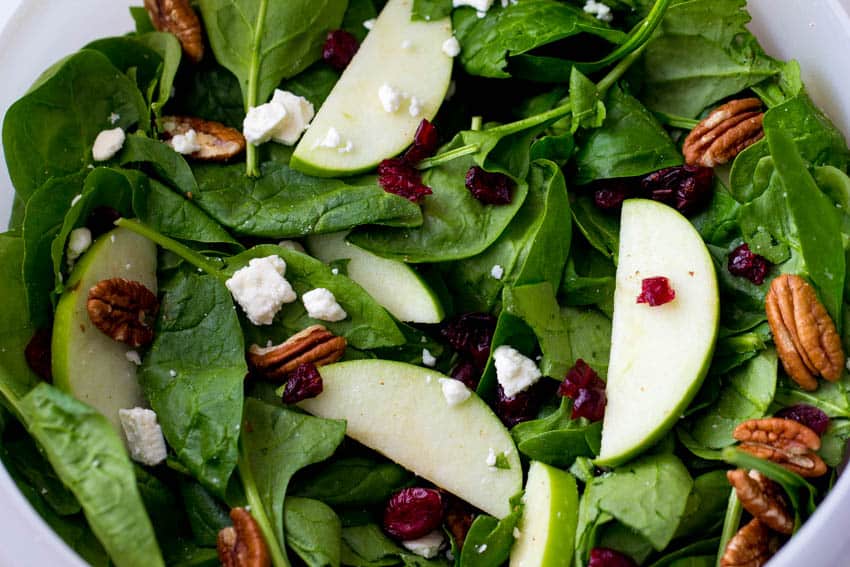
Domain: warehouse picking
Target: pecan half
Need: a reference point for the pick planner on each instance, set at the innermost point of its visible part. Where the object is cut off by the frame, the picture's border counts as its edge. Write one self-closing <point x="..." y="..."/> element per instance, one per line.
<point x="179" y="18"/>
<point x="724" y="133"/>
<point x="752" y="546"/>
<point x="124" y="310"/>
<point x="762" y="498"/>
<point x="314" y="344"/>
<point x="806" y="338"/>
<point x="242" y="545"/>
<point x="783" y="441"/>
<point x="217" y="141"/>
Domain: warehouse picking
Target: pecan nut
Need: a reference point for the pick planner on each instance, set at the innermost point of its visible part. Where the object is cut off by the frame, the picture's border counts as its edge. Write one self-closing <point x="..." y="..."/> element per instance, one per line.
<point x="124" y="310"/>
<point x="724" y="133"/>
<point x="314" y="344"/>
<point x="762" y="498"/>
<point x="752" y="546"/>
<point x="179" y="18"/>
<point x="783" y="441"/>
<point x="217" y="142"/>
<point x="242" y="544"/>
<point x="806" y="338"/>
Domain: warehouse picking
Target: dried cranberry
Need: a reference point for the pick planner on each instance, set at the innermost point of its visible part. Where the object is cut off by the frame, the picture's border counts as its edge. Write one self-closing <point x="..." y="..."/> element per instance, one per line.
<point x="603" y="557"/>
<point x="37" y="353"/>
<point x="302" y="383"/>
<point x="587" y="390"/>
<point x="413" y="512"/>
<point x="810" y="416"/>
<point x="424" y="143"/>
<point x="471" y="334"/>
<point x="340" y="47"/>
<point x="609" y="194"/>
<point x="399" y="177"/>
<point x="656" y="291"/>
<point x="523" y="406"/>
<point x="744" y="264"/>
<point x="686" y="188"/>
<point x="466" y="372"/>
<point x="101" y="220"/>
<point x="489" y="188"/>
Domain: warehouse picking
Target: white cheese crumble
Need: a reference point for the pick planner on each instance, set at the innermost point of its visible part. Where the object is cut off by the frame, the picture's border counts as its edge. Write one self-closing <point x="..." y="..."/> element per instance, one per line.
<point x="369" y="24"/>
<point x="299" y="113"/>
<point x="406" y="44"/>
<point x="598" y="9"/>
<point x="76" y="199"/>
<point x="427" y="546"/>
<point x="415" y="108"/>
<point x="321" y="304"/>
<point x="497" y="272"/>
<point x="292" y="245"/>
<point x="133" y="356"/>
<point x="451" y="47"/>
<point x="107" y="144"/>
<point x="331" y="140"/>
<point x="479" y="5"/>
<point x="144" y="436"/>
<point x="78" y="242"/>
<point x="390" y="98"/>
<point x="262" y="121"/>
<point x="481" y="548"/>
<point x="261" y="290"/>
<point x="428" y="359"/>
<point x="114" y="117"/>
<point x="186" y="143"/>
<point x="454" y="391"/>
<point x="172" y="373"/>
<point x="491" y="458"/>
<point x="514" y="371"/>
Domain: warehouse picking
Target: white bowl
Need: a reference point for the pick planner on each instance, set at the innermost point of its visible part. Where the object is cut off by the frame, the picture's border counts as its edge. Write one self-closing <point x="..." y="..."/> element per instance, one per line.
<point x="815" y="32"/>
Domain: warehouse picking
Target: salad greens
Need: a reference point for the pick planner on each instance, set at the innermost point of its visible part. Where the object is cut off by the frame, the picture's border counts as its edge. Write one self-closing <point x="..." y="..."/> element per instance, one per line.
<point x="567" y="104"/>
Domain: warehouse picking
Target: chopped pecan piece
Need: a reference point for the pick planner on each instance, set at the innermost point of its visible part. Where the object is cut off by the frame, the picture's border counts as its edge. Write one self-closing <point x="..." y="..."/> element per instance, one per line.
<point x="217" y="141"/>
<point x="314" y="344"/>
<point x="179" y="18"/>
<point x="806" y="338"/>
<point x="124" y="310"/>
<point x="724" y="133"/>
<point x="762" y="498"/>
<point x="242" y="545"/>
<point x="783" y="441"/>
<point x="752" y="546"/>
<point x="37" y="353"/>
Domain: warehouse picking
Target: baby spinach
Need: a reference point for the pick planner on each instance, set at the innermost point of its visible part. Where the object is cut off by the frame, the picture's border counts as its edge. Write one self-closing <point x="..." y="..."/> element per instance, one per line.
<point x="588" y="109"/>
<point x="834" y="442"/>
<point x="353" y="481"/>
<point x="136" y="60"/>
<point x="488" y="542"/>
<point x="590" y="337"/>
<point x="368" y="546"/>
<point x="208" y="90"/>
<point x="601" y="229"/>
<point x="537" y="306"/>
<point x="557" y="439"/>
<point x="207" y="515"/>
<point x="29" y="463"/>
<point x="316" y="82"/>
<point x="431" y="9"/>
<point x="313" y="531"/>
<point x="833" y="398"/>
<point x="360" y="11"/>
<point x="168" y="165"/>
<point x="706" y="505"/>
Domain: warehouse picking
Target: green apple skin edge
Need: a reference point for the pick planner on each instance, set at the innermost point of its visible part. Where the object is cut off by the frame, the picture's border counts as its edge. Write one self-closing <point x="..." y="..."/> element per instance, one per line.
<point x="659" y="355"/>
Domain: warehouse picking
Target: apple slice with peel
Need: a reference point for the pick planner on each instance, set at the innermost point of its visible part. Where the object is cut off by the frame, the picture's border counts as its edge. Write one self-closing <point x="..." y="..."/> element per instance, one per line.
<point x="393" y="284"/>
<point x="659" y="355"/>
<point x="399" y="410"/>
<point x="87" y="363"/>
<point x="406" y="58"/>
<point x="549" y="519"/>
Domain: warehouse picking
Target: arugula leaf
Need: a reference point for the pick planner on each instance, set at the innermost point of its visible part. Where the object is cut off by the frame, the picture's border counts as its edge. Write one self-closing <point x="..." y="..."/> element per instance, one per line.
<point x="354" y="481"/>
<point x="488" y="542"/>
<point x="313" y="531"/>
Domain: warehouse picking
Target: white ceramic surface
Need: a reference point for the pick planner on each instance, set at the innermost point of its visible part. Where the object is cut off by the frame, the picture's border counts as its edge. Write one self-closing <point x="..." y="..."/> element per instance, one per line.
<point x="37" y="32"/>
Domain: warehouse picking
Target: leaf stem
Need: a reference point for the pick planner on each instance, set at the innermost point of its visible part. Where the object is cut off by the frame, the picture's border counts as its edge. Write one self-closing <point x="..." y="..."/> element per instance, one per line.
<point x="252" y="168"/>
<point x="258" y="512"/>
<point x="676" y="121"/>
<point x="618" y="71"/>
<point x="730" y="523"/>
<point x="448" y="156"/>
<point x="196" y="259"/>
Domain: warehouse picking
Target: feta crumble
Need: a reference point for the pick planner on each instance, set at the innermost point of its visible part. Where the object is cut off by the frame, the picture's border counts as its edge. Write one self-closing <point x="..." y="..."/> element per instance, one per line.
<point x="427" y="546"/>
<point x="144" y="436"/>
<point x="451" y="47"/>
<point x="133" y="356"/>
<point x="261" y="289"/>
<point x="78" y="242"/>
<point x="186" y="143"/>
<point x="514" y="371"/>
<point x="479" y="5"/>
<point x="369" y="24"/>
<point x="415" y="108"/>
<point x="114" y="117"/>
<point x="107" y="144"/>
<point x="390" y="98"/>
<point x="497" y="272"/>
<point x="491" y="458"/>
<point x="332" y="139"/>
<point x="299" y="113"/>
<point x="598" y="9"/>
<point x="262" y="121"/>
<point x="321" y="304"/>
<point x="428" y="359"/>
<point x="76" y="199"/>
<point x="406" y="44"/>
<point x="454" y="391"/>
<point x="481" y="548"/>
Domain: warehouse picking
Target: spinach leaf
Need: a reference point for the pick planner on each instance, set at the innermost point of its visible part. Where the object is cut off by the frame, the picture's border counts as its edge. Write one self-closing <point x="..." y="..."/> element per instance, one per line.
<point x="359" y="11"/>
<point x="706" y="505"/>
<point x="193" y="375"/>
<point x="833" y="398"/>
<point x="431" y="9"/>
<point x="134" y="59"/>
<point x="537" y="306"/>
<point x="169" y="49"/>
<point x="556" y="439"/>
<point x="88" y="456"/>
<point x="834" y="442"/>
<point x="313" y="531"/>
<point x="50" y="131"/>
<point x="29" y="463"/>
<point x="367" y="546"/>
<point x="601" y="229"/>
<point x="588" y="109"/>
<point x="162" y="504"/>
<point x="686" y="556"/>
<point x="207" y="516"/>
<point x="590" y="337"/>
<point x="209" y="91"/>
<point x="719" y="221"/>
<point x="488" y="542"/>
<point x="354" y="481"/>
<point x="142" y="19"/>
<point x="169" y="166"/>
<point x="317" y="81"/>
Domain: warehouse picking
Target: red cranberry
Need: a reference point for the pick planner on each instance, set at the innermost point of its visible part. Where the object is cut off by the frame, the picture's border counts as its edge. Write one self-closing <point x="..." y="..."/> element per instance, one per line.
<point x="656" y="291"/>
<point x="587" y="390"/>
<point x="424" y="143"/>
<point x="603" y="557"/>
<point x="686" y="187"/>
<point x="340" y="47"/>
<point x="471" y="334"/>
<point x="400" y="177"/>
<point x="466" y="372"/>
<point x="302" y="383"/>
<point x="101" y="220"/>
<point x="525" y="405"/>
<point x="413" y="512"/>
<point x="744" y="264"/>
<point x="37" y="353"/>
<point x="609" y="194"/>
<point x="810" y="416"/>
<point x="489" y="188"/>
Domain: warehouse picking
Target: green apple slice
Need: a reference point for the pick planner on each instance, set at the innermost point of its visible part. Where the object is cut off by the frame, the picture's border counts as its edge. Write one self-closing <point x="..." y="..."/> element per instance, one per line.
<point x="393" y="284"/>
<point x="399" y="410"/>
<point x="87" y="363"/>
<point x="406" y="56"/>
<point x="659" y="355"/>
<point x="549" y="519"/>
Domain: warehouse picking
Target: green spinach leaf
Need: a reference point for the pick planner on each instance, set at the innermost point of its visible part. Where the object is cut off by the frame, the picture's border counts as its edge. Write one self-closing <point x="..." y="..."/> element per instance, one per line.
<point x="354" y="481"/>
<point x="557" y="439"/>
<point x="367" y="546"/>
<point x="488" y="542"/>
<point x="313" y="531"/>
<point x="431" y="9"/>
<point x="590" y="337"/>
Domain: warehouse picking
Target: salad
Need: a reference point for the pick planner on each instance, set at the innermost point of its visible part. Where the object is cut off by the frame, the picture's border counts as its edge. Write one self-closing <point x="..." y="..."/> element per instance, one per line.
<point x="425" y="282"/>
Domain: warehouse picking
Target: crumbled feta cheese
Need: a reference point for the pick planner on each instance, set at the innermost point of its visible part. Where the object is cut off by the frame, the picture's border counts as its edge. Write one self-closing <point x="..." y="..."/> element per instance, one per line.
<point x="496" y="272"/>
<point x="76" y="199"/>
<point x="598" y="9"/>
<point x="428" y="359"/>
<point x="347" y="148"/>
<point x="491" y="458"/>
<point x="451" y="47"/>
<point x="369" y="24"/>
<point x="172" y="373"/>
<point x="479" y="5"/>
<point x="406" y="44"/>
<point x="133" y="356"/>
<point x="335" y="271"/>
<point x="331" y="140"/>
<point x="292" y="245"/>
<point x="454" y="391"/>
<point x="299" y="113"/>
<point x="78" y="242"/>
<point x="114" y="117"/>
<point x="506" y="3"/>
<point x="481" y="548"/>
<point x="144" y="436"/>
<point x="514" y="371"/>
<point x="390" y="98"/>
<point x="415" y="108"/>
<point x="262" y="122"/>
<point x="186" y="143"/>
<point x="427" y="546"/>
<point x="261" y="290"/>
<point x="321" y="304"/>
<point x="107" y="144"/>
